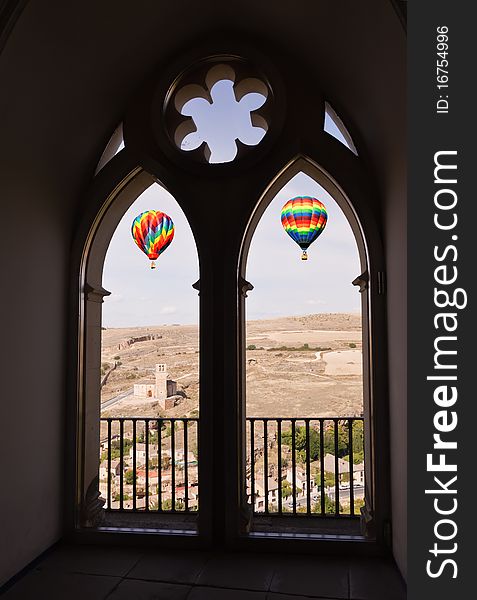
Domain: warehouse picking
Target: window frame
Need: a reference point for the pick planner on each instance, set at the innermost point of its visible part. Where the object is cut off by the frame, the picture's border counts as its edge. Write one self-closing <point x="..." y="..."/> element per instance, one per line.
<point x="114" y="189"/>
<point x="250" y="184"/>
<point x="365" y="282"/>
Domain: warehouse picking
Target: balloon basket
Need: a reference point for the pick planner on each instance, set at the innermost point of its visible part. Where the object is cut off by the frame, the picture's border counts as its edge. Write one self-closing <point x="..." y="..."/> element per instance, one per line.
<point x="153" y="265"/>
<point x="304" y="256"/>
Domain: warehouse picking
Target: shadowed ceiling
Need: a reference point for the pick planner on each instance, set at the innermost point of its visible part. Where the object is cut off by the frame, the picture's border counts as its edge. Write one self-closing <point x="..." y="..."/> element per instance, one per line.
<point x="69" y="69"/>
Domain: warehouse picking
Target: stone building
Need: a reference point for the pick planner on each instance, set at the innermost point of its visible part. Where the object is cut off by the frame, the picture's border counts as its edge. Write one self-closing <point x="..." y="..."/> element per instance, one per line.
<point x="161" y="389"/>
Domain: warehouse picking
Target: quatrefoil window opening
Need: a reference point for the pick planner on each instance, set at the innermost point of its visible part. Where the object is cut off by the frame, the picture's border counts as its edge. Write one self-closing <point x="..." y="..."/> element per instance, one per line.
<point x="223" y="121"/>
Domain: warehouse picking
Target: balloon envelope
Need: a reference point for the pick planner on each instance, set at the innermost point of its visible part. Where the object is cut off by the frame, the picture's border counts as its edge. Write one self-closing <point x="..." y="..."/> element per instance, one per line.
<point x="304" y="219"/>
<point x="153" y="232"/>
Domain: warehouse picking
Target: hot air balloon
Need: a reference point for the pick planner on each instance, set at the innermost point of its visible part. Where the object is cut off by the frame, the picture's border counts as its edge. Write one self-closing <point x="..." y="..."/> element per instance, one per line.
<point x="153" y="231"/>
<point x="304" y="219"/>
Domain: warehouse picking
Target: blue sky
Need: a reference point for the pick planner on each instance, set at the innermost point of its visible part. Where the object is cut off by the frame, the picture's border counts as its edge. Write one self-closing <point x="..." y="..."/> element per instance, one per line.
<point x="139" y="295"/>
<point x="284" y="284"/>
<point x="223" y="121"/>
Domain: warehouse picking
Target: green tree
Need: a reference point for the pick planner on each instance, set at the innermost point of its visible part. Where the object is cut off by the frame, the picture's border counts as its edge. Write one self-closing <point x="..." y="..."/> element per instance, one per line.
<point x="329" y="479"/>
<point x="300" y="442"/>
<point x="116" y="449"/>
<point x="330" y="506"/>
<point x="152" y="437"/>
<point x="167" y="504"/>
<point x="251" y="347"/>
<point x="117" y="497"/>
<point x="329" y="440"/>
<point x="358" y="442"/>
<point x="129" y="477"/>
<point x="287" y="489"/>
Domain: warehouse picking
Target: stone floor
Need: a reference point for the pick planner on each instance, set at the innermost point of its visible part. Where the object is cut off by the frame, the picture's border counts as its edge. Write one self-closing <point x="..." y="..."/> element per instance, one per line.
<point x="105" y="572"/>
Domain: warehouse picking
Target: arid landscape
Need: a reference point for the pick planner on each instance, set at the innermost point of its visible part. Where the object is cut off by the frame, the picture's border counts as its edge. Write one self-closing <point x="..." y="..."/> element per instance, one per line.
<point x="296" y="367"/>
<point x="307" y="366"/>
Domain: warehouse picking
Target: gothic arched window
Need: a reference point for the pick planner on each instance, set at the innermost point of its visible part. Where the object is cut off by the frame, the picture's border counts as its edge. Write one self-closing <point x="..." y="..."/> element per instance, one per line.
<point x="232" y="139"/>
<point x="306" y="359"/>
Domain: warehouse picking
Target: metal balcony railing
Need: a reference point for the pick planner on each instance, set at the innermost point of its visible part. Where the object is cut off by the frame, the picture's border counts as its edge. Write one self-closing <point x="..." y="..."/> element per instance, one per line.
<point x="149" y="465"/>
<point x="294" y="467"/>
<point x="307" y="466"/>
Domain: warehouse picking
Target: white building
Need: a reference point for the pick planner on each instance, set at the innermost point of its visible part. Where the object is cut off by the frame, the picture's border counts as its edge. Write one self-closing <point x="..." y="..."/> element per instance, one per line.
<point x="141" y="452"/>
<point x="300" y="480"/>
<point x="343" y="467"/>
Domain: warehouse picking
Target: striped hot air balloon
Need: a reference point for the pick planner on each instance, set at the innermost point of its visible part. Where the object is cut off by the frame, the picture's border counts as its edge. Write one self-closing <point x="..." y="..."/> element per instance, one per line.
<point x="153" y="231"/>
<point x="304" y="219"/>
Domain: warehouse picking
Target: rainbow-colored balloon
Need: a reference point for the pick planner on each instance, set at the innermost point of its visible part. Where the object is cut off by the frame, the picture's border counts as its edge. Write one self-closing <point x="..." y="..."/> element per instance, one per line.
<point x="304" y="219"/>
<point x="153" y="232"/>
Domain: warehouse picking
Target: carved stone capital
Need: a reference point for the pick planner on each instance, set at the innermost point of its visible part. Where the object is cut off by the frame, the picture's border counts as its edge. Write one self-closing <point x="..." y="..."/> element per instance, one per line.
<point x="367" y="522"/>
<point x="362" y="281"/>
<point x="244" y="287"/>
<point x="92" y="514"/>
<point x="246" y="516"/>
<point x="95" y="293"/>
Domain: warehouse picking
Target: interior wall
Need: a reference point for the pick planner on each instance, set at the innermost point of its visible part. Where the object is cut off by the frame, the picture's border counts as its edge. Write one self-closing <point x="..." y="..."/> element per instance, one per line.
<point x="36" y="222"/>
<point x="33" y="366"/>
<point x="391" y="176"/>
<point x="396" y="270"/>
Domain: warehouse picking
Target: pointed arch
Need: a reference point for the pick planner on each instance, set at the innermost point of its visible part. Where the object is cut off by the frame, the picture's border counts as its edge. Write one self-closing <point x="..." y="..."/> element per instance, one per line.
<point x="115" y="145"/>
<point x="113" y="196"/>
<point x="334" y="126"/>
<point x="304" y="164"/>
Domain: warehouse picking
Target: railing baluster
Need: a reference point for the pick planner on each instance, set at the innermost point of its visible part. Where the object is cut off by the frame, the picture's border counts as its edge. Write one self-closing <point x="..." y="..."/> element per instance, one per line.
<point x="121" y="462"/>
<point x="146" y="440"/>
<point x="159" y="464"/>
<point x="186" y="467"/>
<point x="322" y="467"/>
<point x="109" y="464"/>
<point x="134" y="463"/>
<point x="198" y="452"/>
<point x="308" y="494"/>
<point x="252" y="462"/>
<point x="293" y="424"/>
<point x="337" y="474"/>
<point x="279" y="434"/>
<point x="351" y="466"/>
<point x="265" y="462"/>
<point x="173" y="470"/>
